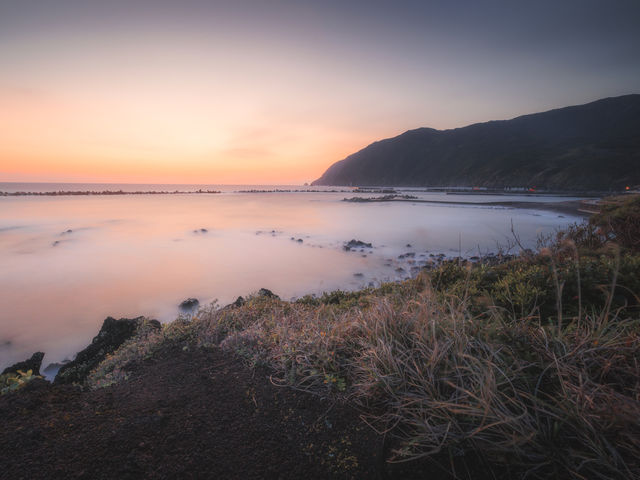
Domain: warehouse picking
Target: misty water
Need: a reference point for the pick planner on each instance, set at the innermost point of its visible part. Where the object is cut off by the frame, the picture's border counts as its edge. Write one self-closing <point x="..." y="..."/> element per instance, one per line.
<point x="67" y="262"/>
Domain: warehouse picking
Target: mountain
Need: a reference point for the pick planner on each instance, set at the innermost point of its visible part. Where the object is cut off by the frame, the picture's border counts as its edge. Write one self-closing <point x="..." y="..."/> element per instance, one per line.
<point x="595" y="146"/>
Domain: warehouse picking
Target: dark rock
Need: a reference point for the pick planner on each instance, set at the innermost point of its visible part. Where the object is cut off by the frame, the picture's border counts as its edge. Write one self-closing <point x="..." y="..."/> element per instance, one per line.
<point x="353" y="243"/>
<point x="265" y="292"/>
<point x="408" y="245"/>
<point x="358" y="274"/>
<point x="203" y="230"/>
<point x="240" y="301"/>
<point x="299" y="240"/>
<point x="56" y="243"/>
<point x="32" y="363"/>
<point x="189" y="304"/>
<point x="112" y="334"/>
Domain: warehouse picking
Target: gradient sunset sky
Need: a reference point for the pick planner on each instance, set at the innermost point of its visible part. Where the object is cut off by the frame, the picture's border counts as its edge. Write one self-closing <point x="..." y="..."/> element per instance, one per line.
<point x="273" y="92"/>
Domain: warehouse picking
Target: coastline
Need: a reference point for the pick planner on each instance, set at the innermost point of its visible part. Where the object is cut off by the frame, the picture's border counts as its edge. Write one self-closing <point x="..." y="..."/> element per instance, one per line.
<point x="570" y="207"/>
<point x="338" y="386"/>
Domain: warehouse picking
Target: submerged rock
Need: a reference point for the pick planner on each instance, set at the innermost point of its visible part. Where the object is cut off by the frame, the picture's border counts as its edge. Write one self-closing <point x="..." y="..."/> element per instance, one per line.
<point x="353" y="243"/>
<point x="189" y="304"/>
<point x="112" y="334"/>
<point x="32" y="363"/>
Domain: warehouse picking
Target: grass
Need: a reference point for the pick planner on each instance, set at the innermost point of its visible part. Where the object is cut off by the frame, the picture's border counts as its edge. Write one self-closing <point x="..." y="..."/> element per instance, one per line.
<point x="532" y="365"/>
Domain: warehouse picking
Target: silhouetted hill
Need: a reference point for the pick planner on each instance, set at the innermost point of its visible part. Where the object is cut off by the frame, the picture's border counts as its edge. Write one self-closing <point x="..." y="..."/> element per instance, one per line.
<point x="594" y="146"/>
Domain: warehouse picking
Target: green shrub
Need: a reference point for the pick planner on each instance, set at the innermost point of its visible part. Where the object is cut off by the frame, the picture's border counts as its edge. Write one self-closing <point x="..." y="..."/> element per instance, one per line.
<point x="10" y="382"/>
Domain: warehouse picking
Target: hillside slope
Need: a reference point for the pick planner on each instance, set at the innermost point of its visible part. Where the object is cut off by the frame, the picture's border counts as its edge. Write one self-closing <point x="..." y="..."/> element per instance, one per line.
<point x="592" y="146"/>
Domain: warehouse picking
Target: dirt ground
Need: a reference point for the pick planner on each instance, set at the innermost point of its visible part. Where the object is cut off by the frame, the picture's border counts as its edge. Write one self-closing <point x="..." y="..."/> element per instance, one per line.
<point x="194" y="414"/>
<point x="186" y="415"/>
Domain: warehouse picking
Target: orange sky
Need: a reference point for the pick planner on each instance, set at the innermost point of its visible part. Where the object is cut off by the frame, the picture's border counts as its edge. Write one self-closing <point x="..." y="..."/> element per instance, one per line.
<point x="161" y="135"/>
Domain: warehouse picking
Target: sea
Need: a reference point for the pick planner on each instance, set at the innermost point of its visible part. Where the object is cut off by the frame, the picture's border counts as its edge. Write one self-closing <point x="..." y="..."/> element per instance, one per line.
<point x="69" y="261"/>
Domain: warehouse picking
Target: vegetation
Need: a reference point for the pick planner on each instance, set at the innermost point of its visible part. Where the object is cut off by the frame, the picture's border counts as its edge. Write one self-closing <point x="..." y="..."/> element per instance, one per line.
<point x="531" y="365"/>
<point x="584" y="147"/>
<point x="10" y="382"/>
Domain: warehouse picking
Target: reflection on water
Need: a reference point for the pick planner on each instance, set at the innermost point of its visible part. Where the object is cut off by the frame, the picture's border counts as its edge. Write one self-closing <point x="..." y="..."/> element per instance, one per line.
<point x="68" y="262"/>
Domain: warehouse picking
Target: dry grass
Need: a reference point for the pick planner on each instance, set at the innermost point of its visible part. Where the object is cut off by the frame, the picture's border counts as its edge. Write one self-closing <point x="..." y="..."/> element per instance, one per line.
<point x="549" y="390"/>
<point x="557" y="400"/>
<point x="545" y="399"/>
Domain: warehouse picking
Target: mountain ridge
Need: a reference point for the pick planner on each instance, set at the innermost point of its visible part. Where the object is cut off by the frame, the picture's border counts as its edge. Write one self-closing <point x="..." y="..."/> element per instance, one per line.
<point x="591" y="146"/>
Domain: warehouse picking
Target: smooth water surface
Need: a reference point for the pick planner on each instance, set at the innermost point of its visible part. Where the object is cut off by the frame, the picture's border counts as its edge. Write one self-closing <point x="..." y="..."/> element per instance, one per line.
<point x="67" y="262"/>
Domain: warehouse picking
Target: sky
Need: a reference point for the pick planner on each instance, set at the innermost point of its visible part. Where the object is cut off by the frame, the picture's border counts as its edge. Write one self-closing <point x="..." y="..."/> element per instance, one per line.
<point x="273" y="92"/>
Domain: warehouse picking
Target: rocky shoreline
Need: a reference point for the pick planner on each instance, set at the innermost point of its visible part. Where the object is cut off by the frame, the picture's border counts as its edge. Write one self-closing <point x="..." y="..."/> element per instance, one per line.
<point x="570" y="207"/>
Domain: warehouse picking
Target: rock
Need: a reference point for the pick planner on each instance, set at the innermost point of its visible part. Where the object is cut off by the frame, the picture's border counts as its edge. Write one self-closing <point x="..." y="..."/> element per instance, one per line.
<point x="265" y="292"/>
<point x="353" y="243"/>
<point x="203" y="230"/>
<point x="408" y="245"/>
<point x="299" y="240"/>
<point x="189" y="304"/>
<point x="240" y="301"/>
<point x="32" y="363"/>
<point x="358" y="274"/>
<point x="56" y="243"/>
<point x="112" y="334"/>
